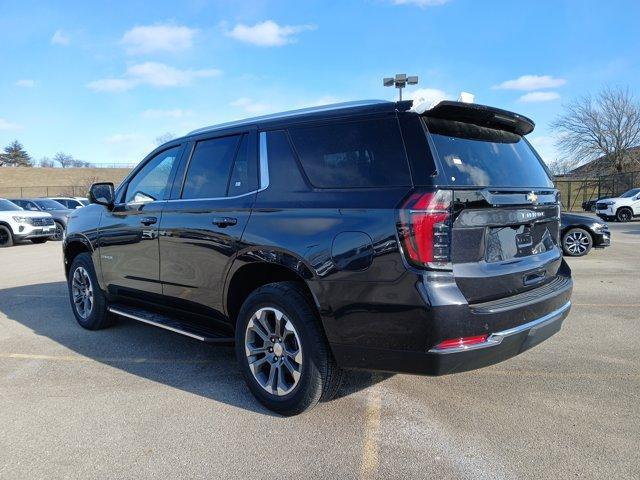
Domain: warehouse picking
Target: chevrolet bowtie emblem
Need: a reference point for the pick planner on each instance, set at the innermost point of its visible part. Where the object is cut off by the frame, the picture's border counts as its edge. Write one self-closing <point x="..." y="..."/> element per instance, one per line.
<point x="532" y="197"/>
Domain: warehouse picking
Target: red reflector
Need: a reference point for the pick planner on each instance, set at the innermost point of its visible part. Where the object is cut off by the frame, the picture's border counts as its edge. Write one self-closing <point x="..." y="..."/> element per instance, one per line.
<point x="461" y="342"/>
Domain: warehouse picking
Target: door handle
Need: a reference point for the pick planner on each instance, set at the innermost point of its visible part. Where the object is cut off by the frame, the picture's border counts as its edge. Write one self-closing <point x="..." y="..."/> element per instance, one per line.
<point x="149" y="221"/>
<point x="224" y="221"/>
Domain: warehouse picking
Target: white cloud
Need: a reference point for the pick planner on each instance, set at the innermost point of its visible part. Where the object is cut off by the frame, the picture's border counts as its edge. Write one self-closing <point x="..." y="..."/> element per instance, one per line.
<point x="268" y="33"/>
<point x="532" y="97"/>
<point x="531" y="82"/>
<point x="25" y="83"/>
<point x="158" y="38"/>
<point x="6" y="125"/>
<point x="421" y="3"/>
<point x="429" y="95"/>
<point x="154" y="74"/>
<point x="250" y="106"/>
<point x="153" y="113"/>
<point x="127" y="147"/>
<point x="60" y="38"/>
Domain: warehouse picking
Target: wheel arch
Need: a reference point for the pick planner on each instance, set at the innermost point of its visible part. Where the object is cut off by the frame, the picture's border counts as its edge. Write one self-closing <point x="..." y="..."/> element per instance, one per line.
<point x="72" y="248"/>
<point x="248" y="276"/>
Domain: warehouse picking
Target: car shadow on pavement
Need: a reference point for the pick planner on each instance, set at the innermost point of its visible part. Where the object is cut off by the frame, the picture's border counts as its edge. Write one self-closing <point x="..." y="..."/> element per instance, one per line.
<point x="143" y="350"/>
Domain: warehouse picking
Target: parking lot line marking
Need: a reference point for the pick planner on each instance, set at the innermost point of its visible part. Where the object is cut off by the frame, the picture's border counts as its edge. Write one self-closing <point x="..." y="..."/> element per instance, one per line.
<point x="620" y="305"/>
<point x="39" y="296"/>
<point x="78" y="358"/>
<point x="370" y="459"/>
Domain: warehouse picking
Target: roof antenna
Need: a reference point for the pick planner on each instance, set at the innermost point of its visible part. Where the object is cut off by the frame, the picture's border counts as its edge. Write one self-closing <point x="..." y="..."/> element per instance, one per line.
<point x="400" y="81"/>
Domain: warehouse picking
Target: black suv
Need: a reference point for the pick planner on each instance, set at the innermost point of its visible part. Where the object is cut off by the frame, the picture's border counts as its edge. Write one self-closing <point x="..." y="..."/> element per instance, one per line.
<point x="360" y="235"/>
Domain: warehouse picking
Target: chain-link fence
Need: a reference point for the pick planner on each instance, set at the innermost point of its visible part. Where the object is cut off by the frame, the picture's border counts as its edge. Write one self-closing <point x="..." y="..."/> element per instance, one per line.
<point x="43" y="191"/>
<point x="580" y="194"/>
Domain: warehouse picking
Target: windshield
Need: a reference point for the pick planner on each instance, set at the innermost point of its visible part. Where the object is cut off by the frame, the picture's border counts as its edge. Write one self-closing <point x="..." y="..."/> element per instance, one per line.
<point x="472" y="155"/>
<point x="630" y="193"/>
<point x="46" y="204"/>
<point x="7" y="206"/>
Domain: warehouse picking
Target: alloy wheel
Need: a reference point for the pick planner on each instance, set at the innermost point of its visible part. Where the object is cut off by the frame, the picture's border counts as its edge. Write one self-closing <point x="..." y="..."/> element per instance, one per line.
<point x="624" y="215"/>
<point x="82" y="292"/>
<point x="273" y="351"/>
<point x="577" y="242"/>
<point x="59" y="232"/>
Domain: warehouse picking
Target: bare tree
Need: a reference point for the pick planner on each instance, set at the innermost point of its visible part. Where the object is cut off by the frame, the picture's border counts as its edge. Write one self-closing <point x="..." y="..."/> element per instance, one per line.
<point x="605" y="126"/>
<point x="64" y="159"/>
<point x="46" y="162"/>
<point x="561" y="166"/>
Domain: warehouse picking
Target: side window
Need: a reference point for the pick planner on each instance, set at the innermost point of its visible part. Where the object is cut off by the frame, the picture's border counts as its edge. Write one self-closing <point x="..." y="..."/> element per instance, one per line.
<point x="364" y="153"/>
<point x="210" y="167"/>
<point x="152" y="181"/>
<point x="244" y="176"/>
<point x="31" y="206"/>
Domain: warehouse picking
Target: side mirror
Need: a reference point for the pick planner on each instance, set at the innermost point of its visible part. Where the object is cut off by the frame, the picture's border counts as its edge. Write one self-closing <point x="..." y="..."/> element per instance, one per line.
<point x="102" y="194"/>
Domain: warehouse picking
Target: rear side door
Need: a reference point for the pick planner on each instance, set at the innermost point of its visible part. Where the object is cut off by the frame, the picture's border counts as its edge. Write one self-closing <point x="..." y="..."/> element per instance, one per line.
<point x="128" y="235"/>
<point x="203" y="222"/>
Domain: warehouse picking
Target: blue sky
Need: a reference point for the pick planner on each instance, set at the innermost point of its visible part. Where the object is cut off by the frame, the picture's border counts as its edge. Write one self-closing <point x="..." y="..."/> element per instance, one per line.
<point x="102" y="80"/>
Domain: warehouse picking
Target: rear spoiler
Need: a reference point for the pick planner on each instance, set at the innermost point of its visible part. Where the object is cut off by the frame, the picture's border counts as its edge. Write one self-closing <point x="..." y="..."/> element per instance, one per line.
<point x="481" y="115"/>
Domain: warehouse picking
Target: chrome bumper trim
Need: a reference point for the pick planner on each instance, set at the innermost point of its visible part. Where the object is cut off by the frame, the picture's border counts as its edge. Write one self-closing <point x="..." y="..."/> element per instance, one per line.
<point x="496" y="338"/>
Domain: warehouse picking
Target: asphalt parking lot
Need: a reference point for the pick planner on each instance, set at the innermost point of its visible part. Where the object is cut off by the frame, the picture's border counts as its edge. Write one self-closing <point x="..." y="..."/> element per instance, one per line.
<point x="134" y="401"/>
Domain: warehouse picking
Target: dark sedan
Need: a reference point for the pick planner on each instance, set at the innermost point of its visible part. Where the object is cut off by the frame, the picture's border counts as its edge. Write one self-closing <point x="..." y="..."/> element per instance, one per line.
<point x="581" y="233"/>
<point x="59" y="212"/>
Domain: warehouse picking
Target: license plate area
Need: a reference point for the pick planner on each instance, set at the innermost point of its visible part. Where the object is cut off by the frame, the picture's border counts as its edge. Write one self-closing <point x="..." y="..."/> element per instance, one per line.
<point x="517" y="241"/>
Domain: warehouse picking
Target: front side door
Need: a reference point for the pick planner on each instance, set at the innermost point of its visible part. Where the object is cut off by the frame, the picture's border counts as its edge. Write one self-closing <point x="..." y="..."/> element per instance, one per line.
<point x="202" y="226"/>
<point x="128" y="241"/>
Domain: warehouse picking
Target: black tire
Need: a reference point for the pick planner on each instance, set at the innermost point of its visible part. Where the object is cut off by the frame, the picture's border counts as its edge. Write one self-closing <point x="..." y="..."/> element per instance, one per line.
<point x="320" y="376"/>
<point x="59" y="232"/>
<point x="624" y="214"/>
<point x="39" y="240"/>
<point x="98" y="317"/>
<point x="6" y="237"/>
<point x="577" y="242"/>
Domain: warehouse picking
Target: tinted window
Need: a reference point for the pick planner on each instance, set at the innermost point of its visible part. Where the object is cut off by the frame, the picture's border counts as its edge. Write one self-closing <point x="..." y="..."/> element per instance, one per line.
<point x="208" y="174"/>
<point x="630" y="193"/>
<point x="366" y="153"/>
<point x="46" y="204"/>
<point x="6" y="205"/>
<point x="152" y="181"/>
<point x="244" y="176"/>
<point x="480" y="156"/>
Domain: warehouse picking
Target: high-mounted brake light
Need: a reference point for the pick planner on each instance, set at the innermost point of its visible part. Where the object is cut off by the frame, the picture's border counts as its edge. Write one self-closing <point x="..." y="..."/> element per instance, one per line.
<point x="424" y="228"/>
<point x="462" y="342"/>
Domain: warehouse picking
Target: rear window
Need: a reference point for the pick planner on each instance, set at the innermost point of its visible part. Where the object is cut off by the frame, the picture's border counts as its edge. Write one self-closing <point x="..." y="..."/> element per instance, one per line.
<point x="472" y="155"/>
<point x="365" y="153"/>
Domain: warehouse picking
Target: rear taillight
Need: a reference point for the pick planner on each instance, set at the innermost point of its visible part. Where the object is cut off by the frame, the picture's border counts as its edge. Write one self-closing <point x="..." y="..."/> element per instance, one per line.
<point x="424" y="229"/>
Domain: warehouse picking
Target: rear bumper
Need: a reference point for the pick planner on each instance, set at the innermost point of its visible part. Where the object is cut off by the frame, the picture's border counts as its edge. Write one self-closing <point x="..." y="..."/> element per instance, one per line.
<point x="512" y="325"/>
<point x="499" y="346"/>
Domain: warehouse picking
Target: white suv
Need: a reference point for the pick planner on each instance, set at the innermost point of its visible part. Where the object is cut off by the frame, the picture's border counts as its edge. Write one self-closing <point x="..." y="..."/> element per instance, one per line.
<point x="19" y="224"/>
<point x="622" y="208"/>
